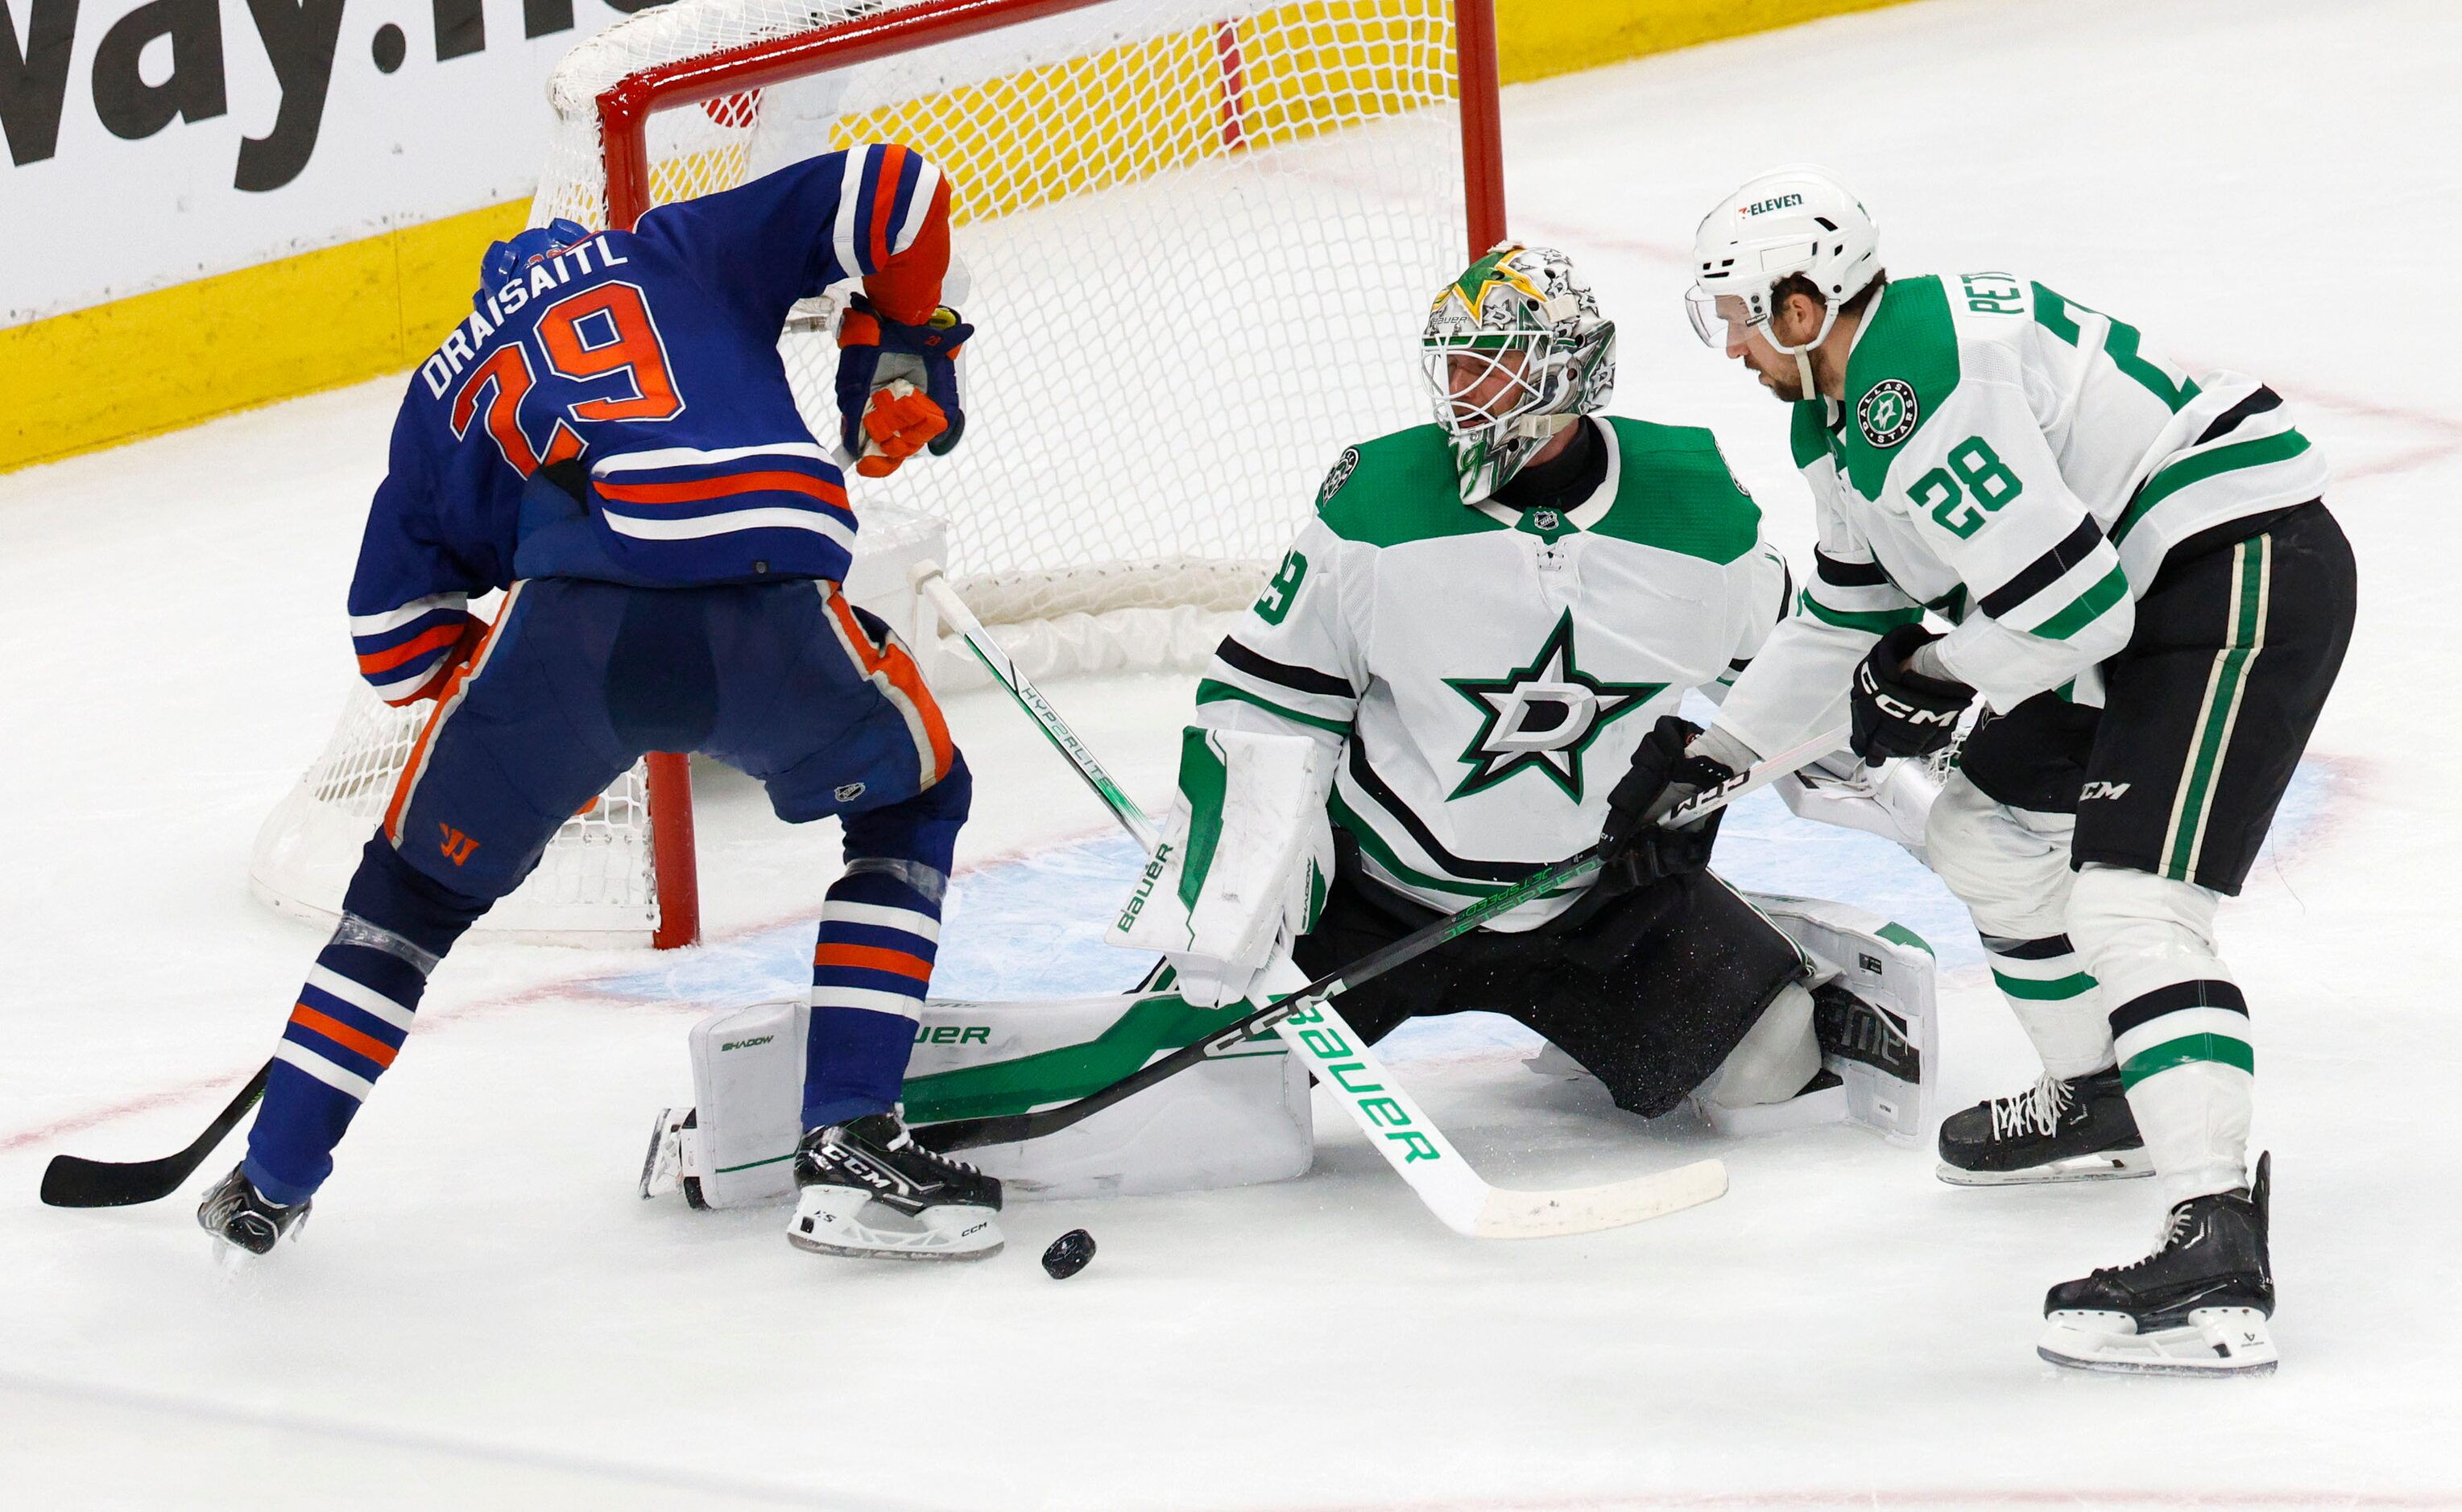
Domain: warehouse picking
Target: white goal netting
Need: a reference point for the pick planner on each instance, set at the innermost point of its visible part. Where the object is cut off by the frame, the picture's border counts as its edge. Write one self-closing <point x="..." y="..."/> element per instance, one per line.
<point x="1196" y="238"/>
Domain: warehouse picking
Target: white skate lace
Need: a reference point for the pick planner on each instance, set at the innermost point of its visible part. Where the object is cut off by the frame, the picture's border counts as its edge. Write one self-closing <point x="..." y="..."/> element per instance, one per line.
<point x="906" y="1141"/>
<point x="2035" y="1111"/>
<point x="2172" y="1227"/>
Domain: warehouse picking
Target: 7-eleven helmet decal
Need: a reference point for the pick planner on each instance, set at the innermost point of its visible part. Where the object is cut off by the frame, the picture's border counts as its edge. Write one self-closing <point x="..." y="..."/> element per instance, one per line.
<point x="1514" y="351"/>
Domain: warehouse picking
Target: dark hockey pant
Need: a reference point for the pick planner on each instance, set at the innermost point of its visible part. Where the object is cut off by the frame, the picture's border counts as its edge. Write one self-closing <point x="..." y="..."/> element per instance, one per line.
<point x="1649" y="991"/>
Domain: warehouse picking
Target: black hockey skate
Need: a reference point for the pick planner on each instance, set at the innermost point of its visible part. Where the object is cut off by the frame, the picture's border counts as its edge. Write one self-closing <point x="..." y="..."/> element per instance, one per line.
<point x="865" y="1188"/>
<point x="239" y="1215"/>
<point x="2195" y="1307"/>
<point x="2057" y="1131"/>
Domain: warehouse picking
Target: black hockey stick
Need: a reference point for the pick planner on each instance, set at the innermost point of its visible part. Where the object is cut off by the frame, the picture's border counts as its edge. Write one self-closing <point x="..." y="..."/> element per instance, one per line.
<point x="967" y="1134"/>
<point x="71" y="1181"/>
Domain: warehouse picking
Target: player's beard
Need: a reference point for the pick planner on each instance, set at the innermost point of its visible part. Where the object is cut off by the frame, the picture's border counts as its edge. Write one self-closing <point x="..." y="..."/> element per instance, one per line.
<point x="1784" y="383"/>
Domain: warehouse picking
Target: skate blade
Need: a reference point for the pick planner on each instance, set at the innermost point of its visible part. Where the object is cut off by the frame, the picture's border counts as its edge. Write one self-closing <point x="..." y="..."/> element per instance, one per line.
<point x="2214" y="1341"/>
<point x="233" y="1257"/>
<point x="2104" y="1165"/>
<point x="870" y="1231"/>
<point x="662" y="1168"/>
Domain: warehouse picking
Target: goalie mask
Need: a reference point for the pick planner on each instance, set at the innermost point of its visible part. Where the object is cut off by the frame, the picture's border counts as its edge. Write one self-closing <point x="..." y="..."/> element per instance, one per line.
<point x="1514" y="351"/>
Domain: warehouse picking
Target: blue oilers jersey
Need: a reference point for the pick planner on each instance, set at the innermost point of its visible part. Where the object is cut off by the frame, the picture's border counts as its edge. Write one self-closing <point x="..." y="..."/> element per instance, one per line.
<point x="639" y="370"/>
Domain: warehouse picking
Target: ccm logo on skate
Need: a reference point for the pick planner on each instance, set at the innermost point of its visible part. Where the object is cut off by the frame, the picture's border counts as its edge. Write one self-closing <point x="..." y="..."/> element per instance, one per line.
<point x="456" y="845"/>
<point x="2095" y="790"/>
<point x="1144" y="888"/>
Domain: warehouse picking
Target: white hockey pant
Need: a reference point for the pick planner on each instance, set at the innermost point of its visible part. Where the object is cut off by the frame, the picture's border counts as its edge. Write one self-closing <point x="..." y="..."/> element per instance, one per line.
<point x="2180" y="1025"/>
<point x="2011" y="868"/>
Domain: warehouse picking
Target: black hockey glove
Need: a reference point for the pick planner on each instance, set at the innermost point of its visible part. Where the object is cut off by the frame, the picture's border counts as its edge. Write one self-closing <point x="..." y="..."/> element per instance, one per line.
<point x="1640" y="850"/>
<point x="1897" y="711"/>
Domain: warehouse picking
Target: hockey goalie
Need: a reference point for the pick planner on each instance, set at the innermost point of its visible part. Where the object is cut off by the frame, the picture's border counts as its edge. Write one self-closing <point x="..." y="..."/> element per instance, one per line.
<point x="1468" y="667"/>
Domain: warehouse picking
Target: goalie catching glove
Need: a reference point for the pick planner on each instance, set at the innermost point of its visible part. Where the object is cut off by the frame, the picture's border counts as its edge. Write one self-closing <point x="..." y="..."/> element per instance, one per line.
<point x="897" y="385"/>
<point x="1898" y="709"/>
<point x="1242" y="868"/>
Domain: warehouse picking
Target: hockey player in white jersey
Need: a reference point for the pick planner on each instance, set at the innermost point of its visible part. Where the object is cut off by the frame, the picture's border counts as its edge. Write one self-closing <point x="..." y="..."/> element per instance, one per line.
<point x="1464" y="666"/>
<point x="2151" y="602"/>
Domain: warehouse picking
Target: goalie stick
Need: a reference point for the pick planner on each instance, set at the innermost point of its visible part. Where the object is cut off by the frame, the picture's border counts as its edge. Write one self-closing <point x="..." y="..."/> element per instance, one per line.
<point x="1311" y="1029"/>
<point x="72" y="1181"/>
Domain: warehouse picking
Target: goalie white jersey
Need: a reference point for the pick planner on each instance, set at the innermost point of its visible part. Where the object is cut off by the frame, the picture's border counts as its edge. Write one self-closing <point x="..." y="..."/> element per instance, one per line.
<point x="1484" y="673"/>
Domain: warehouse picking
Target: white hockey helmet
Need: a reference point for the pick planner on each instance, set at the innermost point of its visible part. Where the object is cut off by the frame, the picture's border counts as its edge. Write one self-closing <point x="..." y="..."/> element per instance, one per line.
<point x="1796" y="220"/>
<point x="1521" y="329"/>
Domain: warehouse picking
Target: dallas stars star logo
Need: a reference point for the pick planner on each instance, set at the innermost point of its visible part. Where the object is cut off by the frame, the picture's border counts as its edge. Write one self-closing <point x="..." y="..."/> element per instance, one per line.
<point x="1542" y="716"/>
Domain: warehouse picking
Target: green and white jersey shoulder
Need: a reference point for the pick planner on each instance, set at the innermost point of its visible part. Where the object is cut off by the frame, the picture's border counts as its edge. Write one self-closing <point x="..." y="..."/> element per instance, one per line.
<point x="1484" y="673"/>
<point x="2021" y="464"/>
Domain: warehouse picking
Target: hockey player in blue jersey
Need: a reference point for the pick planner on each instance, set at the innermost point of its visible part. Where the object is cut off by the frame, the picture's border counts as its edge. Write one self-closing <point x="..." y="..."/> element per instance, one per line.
<point x="610" y="438"/>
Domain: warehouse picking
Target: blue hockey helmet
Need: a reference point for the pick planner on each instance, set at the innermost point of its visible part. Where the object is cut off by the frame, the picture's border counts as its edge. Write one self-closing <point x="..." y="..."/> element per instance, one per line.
<point x="536" y="244"/>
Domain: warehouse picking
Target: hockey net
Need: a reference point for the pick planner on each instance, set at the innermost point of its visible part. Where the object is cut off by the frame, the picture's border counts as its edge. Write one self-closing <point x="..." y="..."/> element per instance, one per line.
<point x="1196" y="238"/>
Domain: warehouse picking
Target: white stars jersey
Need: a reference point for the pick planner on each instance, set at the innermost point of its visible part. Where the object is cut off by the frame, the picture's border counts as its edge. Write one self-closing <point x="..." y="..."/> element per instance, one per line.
<point x="2019" y="464"/>
<point x="1483" y="674"/>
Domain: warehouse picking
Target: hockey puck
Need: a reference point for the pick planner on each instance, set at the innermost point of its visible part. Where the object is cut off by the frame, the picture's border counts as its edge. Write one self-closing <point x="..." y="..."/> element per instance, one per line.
<point x="1068" y="1255"/>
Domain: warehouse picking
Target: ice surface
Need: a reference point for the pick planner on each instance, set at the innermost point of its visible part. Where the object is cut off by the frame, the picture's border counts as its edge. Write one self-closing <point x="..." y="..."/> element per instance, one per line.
<point x="481" y="1314"/>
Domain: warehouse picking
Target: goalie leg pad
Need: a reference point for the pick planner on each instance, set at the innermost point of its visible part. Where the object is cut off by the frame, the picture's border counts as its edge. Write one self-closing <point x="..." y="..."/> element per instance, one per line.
<point x="1235" y="1121"/>
<point x="1774" y="1059"/>
<point x="1872" y="1009"/>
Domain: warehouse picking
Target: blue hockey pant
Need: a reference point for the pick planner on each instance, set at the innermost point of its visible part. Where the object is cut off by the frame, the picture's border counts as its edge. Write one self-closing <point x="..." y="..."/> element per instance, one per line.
<point x="786" y="682"/>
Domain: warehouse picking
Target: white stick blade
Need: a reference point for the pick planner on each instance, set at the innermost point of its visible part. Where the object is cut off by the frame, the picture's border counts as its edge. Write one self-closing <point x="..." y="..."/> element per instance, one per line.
<point x="1591" y="1209"/>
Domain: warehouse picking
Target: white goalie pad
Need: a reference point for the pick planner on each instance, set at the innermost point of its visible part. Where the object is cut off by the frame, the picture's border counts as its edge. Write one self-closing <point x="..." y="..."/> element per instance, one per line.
<point x="1883" y="1044"/>
<point x="1242" y="862"/>
<point x="1236" y="1120"/>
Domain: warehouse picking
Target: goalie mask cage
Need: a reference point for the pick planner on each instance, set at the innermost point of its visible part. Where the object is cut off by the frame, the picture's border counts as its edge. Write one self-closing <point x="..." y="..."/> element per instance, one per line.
<point x="1198" y="238"/>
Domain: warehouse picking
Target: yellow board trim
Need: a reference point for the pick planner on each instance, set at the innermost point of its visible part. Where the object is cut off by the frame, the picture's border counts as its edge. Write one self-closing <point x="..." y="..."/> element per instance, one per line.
<point x="1542" y="38"/>
<point x="158" y="362"/>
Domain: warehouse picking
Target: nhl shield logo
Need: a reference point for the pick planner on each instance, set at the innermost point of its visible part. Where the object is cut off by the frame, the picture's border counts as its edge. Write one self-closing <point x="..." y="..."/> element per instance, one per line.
<point x="1886" y="415"/>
